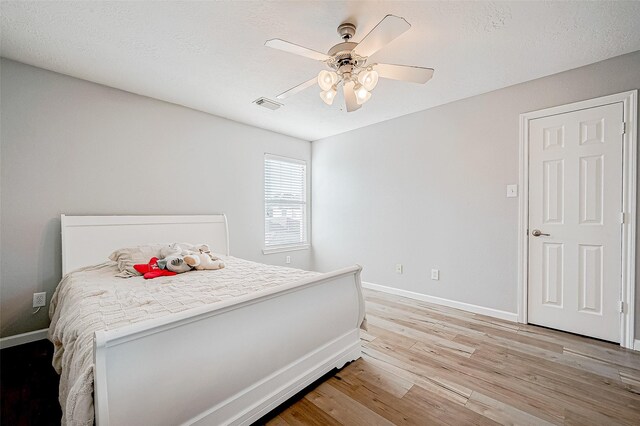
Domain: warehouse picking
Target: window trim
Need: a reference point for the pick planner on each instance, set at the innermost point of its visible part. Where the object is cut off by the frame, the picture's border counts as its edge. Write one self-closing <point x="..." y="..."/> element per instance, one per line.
<point x="287" y="247"/>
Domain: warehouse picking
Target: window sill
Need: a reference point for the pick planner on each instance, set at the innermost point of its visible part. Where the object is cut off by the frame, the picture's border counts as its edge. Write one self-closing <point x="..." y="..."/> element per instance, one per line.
<point x="283" y="249"/>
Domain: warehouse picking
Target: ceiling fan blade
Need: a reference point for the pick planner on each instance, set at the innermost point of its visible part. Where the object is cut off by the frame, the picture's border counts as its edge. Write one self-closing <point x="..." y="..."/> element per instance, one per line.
<point x="299" y="88"/>
<point x="280" y="44"/>
<point x="387" y="30"/>
<point x="350" y="97"/>
<point x="404" y="72"/>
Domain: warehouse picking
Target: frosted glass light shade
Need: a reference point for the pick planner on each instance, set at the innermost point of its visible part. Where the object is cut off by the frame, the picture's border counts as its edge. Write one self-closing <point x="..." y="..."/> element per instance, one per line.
<point x="369" y="79"/>
<point x="326" y="79"/>
<point x="328" y="95"/>
<point x="362" y="94"/>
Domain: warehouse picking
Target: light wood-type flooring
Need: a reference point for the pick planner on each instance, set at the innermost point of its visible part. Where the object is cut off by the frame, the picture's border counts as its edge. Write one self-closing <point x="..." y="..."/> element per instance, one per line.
<point x="427" y="364"/>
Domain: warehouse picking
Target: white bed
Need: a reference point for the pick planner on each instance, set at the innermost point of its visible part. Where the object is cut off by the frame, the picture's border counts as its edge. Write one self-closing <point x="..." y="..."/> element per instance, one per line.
<point x="227" y="361"/>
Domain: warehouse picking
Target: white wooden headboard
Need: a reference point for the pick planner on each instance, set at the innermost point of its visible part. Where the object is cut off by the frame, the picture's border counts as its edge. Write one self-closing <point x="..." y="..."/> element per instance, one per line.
<point x="88" y="240"/>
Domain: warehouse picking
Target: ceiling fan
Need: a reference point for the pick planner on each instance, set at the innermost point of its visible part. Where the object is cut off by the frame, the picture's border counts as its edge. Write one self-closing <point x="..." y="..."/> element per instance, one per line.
<point x="348" y="63"/>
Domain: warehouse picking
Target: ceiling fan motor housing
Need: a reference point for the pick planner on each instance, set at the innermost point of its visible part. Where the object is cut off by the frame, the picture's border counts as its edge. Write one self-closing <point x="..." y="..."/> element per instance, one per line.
<point x="342" y="55"/>
<point x="342" y="49"/>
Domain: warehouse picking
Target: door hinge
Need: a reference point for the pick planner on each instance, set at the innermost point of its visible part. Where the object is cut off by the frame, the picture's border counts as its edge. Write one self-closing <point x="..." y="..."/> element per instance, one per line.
<point x="622" y="217"/>
<point x="621" y="306"/>
<point x="624" y="127"/>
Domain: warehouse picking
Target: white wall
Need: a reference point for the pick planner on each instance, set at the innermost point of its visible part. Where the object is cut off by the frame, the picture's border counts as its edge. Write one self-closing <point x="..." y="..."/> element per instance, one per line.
<point x="428" y="189"/>
<point x="75" y="147"/>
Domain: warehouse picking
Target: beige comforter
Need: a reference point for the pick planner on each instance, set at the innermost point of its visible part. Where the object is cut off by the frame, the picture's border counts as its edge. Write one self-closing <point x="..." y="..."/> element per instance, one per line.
<point x="94" y="299"/>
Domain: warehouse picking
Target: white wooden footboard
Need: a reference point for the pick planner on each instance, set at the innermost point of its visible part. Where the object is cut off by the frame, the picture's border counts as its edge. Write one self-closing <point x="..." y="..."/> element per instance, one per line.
<point x="232" y="362"/>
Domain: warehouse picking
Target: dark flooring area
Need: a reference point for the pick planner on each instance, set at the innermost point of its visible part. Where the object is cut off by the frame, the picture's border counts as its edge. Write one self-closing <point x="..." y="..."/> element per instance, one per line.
<point x="29" y="385"/>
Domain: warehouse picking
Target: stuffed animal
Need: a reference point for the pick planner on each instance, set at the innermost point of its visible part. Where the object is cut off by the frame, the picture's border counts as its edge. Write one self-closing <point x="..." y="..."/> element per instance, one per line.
<point x="172" y="259"/>
<point x="152" y="270"/>
<point x="203" y="260"/>
<point x="179" y="258"/>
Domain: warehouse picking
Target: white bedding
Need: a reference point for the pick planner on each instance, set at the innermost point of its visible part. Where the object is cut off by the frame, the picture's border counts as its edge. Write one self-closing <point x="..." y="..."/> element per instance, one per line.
<point x="94" y="299"/>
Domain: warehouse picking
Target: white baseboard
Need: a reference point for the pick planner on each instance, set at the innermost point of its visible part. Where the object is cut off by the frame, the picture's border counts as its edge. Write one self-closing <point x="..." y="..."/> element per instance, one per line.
<point x="496" y="313"/>
<point x="636" y="345"/>
<point x="21" y="339"/>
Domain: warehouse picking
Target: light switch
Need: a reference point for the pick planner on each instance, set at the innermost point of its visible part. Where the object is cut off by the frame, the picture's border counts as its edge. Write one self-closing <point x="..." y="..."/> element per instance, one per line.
<point x="512" y="191"/>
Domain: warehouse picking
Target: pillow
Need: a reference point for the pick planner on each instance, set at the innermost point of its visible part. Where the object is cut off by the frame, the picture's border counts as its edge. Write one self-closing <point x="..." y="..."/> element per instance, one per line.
<point x="129" y="256"/>
<point x="183" y="247"/>
<point x="188" y="247"/>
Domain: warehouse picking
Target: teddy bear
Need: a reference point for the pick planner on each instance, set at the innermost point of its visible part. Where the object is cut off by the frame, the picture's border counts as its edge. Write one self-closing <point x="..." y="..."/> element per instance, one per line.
<point x="172" y="259"/>
<point x="203" y="259"/>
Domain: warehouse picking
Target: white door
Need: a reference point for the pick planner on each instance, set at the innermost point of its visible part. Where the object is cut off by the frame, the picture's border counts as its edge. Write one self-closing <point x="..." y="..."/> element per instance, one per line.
<point x="575" y="196"/>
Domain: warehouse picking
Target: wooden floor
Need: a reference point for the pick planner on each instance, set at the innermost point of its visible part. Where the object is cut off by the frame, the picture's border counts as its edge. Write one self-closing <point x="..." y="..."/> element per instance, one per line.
<point x="426" y="364"/>
<point x="422" y="364"/>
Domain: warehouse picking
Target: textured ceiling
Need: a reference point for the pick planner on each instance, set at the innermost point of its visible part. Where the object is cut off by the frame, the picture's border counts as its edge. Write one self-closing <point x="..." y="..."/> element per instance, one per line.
<point x="210" y="55"/>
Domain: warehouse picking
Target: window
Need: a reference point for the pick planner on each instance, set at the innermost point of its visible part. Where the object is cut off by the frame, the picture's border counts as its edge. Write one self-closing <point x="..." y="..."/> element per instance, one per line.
<point x="285" y="204"/>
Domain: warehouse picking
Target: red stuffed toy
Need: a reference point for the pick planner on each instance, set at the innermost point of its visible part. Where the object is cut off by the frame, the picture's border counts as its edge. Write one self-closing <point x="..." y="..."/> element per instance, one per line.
<point x="152" y="270"/>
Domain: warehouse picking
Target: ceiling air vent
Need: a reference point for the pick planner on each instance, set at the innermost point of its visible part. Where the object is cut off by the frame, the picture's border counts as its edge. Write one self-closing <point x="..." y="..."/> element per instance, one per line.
<point x="267" y="103"/>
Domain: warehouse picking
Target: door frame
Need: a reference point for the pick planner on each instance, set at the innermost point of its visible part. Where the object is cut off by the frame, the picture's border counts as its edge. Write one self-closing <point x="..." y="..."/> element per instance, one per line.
<point x="629" y="182"/>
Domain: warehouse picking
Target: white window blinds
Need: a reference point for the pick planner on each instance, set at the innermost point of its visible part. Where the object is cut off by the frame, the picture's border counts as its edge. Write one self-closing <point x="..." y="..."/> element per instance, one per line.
<point x="285" y="202"/>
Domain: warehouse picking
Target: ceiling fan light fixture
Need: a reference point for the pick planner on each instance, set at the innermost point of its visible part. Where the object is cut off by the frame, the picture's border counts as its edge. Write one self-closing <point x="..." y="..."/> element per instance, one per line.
<point x="328" y="96"/>
<point x="327" y="79"/>
<point x="362" y="94"/>
<point x="369" y="79"/>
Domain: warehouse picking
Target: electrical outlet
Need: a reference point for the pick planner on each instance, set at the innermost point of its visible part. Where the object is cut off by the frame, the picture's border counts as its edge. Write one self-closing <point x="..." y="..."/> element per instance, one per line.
<point x="288" y="259"/>
<point x="39" y="299"/>
<point x="435" y="274"/>
<point x="398" y="268"/>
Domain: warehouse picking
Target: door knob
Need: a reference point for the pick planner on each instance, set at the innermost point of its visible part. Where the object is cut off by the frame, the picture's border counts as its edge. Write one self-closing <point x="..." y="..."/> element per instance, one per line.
<point x="537" y="233"/>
